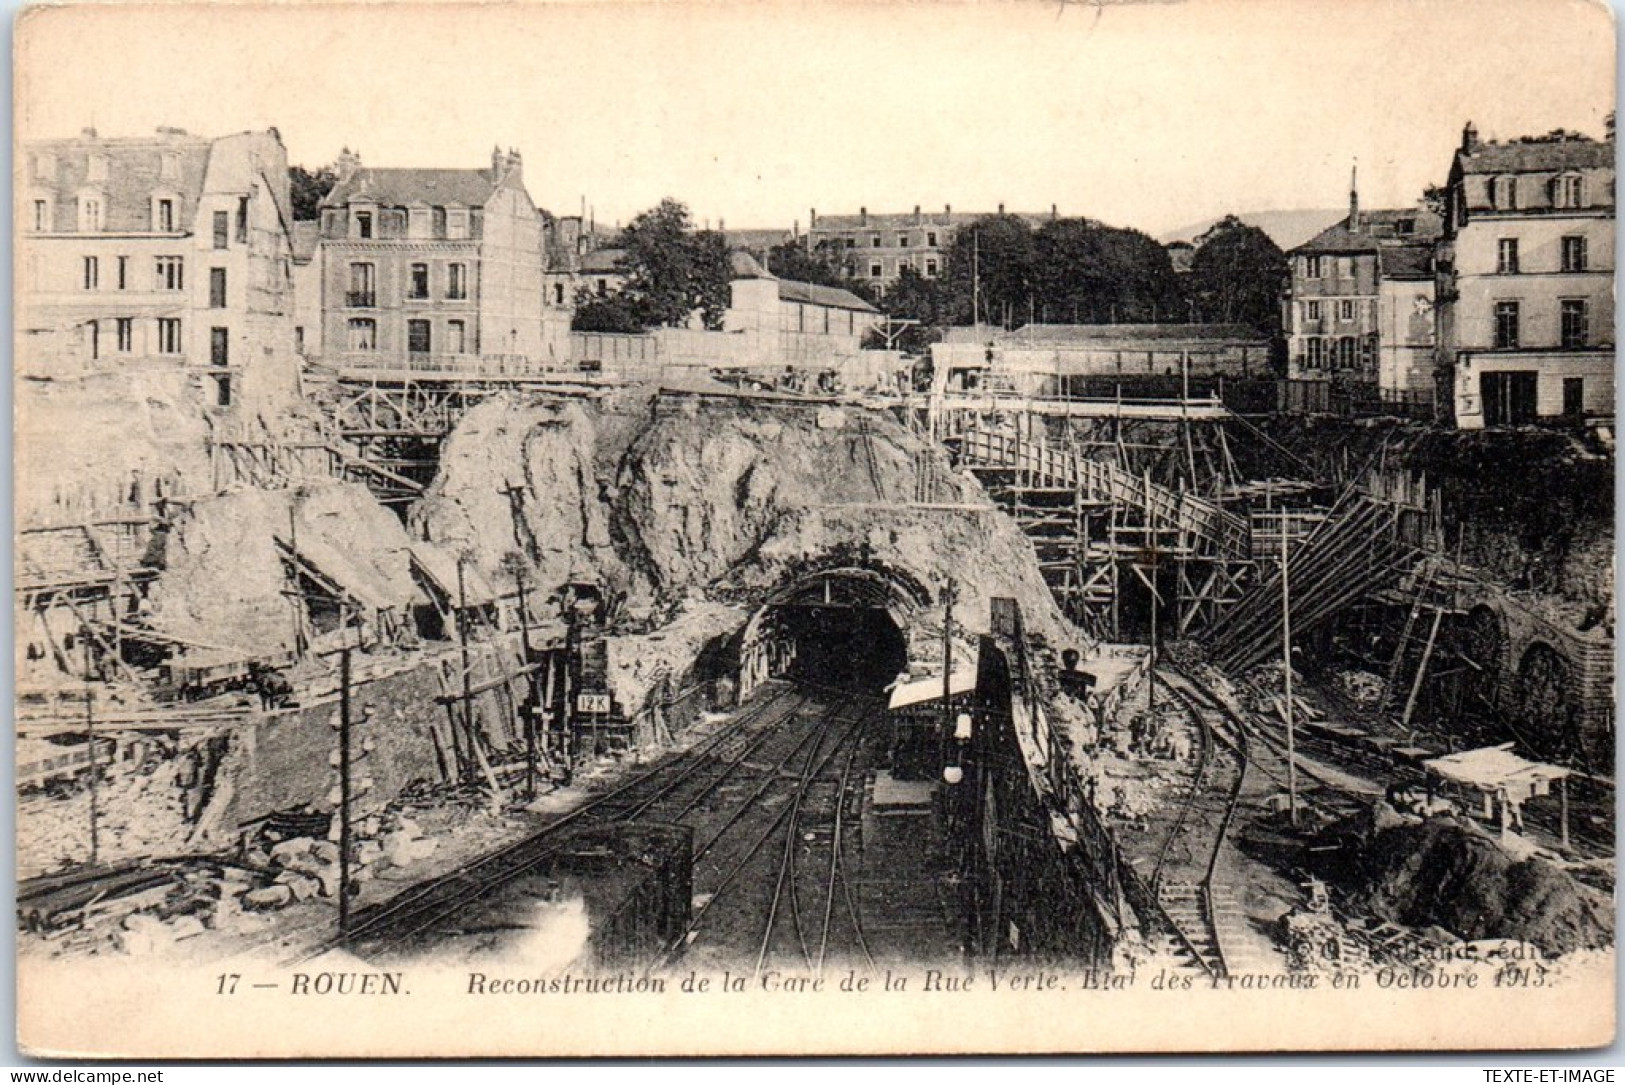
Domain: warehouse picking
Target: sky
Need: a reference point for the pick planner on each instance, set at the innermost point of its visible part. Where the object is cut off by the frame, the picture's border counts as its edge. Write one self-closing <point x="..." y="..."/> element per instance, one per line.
<point x="1144" y="114"/>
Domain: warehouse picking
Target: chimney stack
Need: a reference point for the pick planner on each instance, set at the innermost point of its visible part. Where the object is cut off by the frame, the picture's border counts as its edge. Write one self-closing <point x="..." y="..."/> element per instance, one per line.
<point x="948" y="209"/>
<point x="812" y="218"/>
<point x="1354" y="197"/>
<point x="1001" y="208"/>
<point x="863" y="216"/>
<point x="497" y="160"/>
<point x="347" y="163"/>
<point x="1469" y="138"/>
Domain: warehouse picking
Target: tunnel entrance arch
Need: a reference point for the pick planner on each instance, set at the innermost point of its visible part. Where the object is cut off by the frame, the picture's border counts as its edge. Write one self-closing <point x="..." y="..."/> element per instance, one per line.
<point x="834" y="624"/>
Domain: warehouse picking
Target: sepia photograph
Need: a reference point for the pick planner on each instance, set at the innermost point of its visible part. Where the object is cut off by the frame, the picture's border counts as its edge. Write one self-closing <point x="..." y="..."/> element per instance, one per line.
<point x="593" y="529"/>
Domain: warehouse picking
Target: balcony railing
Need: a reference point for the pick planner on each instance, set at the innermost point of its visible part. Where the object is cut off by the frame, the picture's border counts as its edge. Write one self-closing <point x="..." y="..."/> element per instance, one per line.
<point x="361" y="299"/>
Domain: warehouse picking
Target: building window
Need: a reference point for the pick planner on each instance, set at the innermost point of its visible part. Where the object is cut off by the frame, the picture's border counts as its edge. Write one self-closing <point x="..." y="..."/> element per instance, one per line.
<point x="1312" y="311"/>
<point x="874" y="241"/>
<point x="217" y="288"/>
<point x="94" y="328"/>
<point x="558" y="293"/>
<point x="123" y="272"/>
<point x="456" y="336"/>
<point x="299" y="339"/>
<point x="1345" y="311"/>
<point x="222" y="229"/>
<point x="1504" y="193"/>
<point x="166" y="216"/>
<point x="90" y="214"/>
<point x="1574" y="254"/>
<point x="92" y="273"/>
<point x="1574" y="323"/>
<point x="851" y="242"/>
<point x="1568" y="191"/>
<point x="419" y="287"/>
<point x="930" y="269"/>
<point x="456" y="224"/>
<point x="42" y="215"/>
<point x="242" y="220"/>
<point x="931" y="240"/>
<point x="603" y="288"/>
<point x="1506" y="256"/>
<point x="417" y="336"/>
<point x="902" y="241"/>
<point x="124" y="332"/>
<point x="219" y="346"/>
<point x="1314" y="357"/>
<point x="1506" y="325"/>
<point x="363" y="224"/>
<point x="363" y="334"/>
<point x="171" y="273"/>
<point x="362" y="294"/>
<point x="169" y="335"/>
<point x="875" y="271"/>
<point x="437" y="222"/>
<point x="457" y="281"/>
<point x="1312" y="267"/>
<point x="1346" y="352"/>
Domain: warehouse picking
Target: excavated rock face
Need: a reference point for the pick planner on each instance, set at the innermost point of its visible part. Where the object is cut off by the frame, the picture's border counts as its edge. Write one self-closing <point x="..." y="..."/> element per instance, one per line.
<point x="224" y="578"/>
<point x="665" y="498"/>
<point x="523" y="480"/>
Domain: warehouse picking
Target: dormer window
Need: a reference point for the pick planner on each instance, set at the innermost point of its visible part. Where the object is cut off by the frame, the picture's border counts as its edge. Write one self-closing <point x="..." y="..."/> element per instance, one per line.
<point x="363" y="224"/>
<point x="91" y="214"/>
<point x="42" y="215"/>
<point x="1568" y="190"/>
<point x="1504" y="193"/>
<point x="163" y="215"/>
<point x="456" y="223"/>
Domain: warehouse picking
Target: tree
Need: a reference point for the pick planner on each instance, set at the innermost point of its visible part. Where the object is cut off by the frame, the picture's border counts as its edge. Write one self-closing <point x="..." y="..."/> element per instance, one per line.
<point x="997" y="252"/>
<point x="307" y="187"/>
<point x="614" y="313"/>
<point x="823" y="265"/>
<point x="1089" y="273"/>
<point x="673" y="270"/>
<point x="1237" y="277"/>
<point x="915" y="297"/>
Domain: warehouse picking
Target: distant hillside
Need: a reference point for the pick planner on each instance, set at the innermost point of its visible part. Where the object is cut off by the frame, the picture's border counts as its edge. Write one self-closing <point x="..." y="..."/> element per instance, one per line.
<point x="1288" y="229"/>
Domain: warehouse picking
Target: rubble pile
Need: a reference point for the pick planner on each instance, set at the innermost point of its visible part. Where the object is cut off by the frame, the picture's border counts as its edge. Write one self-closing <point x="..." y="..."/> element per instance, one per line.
<point x="137" y="814"/>
<point x="1447" y="872"/>
<point x="1363" y="688"/>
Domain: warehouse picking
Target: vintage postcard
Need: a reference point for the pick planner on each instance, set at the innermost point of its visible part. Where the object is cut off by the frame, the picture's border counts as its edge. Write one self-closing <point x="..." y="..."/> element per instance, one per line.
<point x="847" y="528"/>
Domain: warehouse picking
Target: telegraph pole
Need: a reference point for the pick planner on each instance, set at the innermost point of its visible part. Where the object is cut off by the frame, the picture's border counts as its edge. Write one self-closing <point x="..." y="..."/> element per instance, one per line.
<point x="1286" y="652"/>
<point x="90" y="745"/>
<point x="345" y="828"/>
<point x="948" y="592"/>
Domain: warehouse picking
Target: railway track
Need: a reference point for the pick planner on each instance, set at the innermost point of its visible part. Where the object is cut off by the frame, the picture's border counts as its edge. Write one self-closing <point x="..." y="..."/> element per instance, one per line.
<point x="786" y="871"/>
<point x="1192" y="908"/>
<point x="683" y="782"/>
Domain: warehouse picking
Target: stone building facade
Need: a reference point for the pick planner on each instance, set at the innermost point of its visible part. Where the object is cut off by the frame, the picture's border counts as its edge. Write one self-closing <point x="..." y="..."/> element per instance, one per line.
<point x="877" y="248"/>
<point x="165" y="251"/>
<point x="1526" y="271"/>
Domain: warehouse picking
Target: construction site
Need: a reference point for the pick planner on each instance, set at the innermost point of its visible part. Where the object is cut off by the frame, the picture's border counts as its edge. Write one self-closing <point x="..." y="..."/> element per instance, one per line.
<point x="636" y="669"/>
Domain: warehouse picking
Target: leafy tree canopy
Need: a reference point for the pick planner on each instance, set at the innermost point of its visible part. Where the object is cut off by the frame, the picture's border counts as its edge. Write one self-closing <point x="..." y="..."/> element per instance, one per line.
<point x="673" y="270"/>
<point x="307" y="188"/>
<point x="1237" y="277"/>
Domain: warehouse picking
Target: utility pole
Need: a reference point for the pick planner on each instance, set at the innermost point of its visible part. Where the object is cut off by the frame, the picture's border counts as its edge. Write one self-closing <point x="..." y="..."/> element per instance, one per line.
<point x="90" y="744"/>
<point x="530" y="678"/>
<point x="462" y="644"/>
<point x="1286" y="652"/>
<point x="949" y="590"/>
<point x="345" y="828"/>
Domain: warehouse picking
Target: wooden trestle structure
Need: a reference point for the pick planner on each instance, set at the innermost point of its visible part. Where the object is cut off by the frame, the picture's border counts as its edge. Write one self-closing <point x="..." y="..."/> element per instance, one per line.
<point x="1092" y="522"/>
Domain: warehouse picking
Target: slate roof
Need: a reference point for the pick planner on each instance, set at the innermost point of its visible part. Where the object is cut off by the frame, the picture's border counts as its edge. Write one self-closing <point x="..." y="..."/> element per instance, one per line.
<point x="1578" y="153"/>
<point x="603" y="262"/>
<point x="1378" y="230"/>
<point x="742" y="265"/>
<point x="406" y="187"/>
<point x="830" y="297"/>
<point x="1406" y="262"/>
<point x="134" y="174"/>
<point x="1089" y="333"/>
<point x="908" y="221"/>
